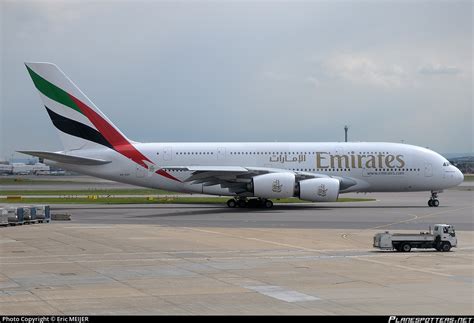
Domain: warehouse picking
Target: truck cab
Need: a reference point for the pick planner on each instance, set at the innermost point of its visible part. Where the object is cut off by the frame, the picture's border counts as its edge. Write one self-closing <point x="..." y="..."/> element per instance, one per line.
<point x="444" y="234"/>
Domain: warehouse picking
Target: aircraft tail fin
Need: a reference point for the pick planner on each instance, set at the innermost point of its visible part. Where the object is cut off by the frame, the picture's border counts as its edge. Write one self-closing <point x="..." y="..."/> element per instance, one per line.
<point x="80" y="123"/>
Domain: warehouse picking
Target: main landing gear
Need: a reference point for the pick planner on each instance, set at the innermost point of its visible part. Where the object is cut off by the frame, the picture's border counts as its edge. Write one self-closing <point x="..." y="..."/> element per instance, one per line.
<point x="254" y="203"/>
<point x="433" y="201"/>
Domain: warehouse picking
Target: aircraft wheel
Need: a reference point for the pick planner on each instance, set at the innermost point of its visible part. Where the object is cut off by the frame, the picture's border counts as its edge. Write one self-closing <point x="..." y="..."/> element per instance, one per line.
<point x="268" y="204"/>
<point x="231" y="203"/>
<point x="434" y="199"/>
<point x="242" y="203"/>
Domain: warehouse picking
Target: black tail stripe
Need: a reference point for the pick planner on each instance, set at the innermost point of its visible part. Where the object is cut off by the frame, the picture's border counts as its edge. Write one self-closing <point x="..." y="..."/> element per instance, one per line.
<point x="77" y="129"/>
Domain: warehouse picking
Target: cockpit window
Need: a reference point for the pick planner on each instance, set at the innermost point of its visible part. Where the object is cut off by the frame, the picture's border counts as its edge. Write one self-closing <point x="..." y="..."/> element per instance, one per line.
<point x="446" y="164"/>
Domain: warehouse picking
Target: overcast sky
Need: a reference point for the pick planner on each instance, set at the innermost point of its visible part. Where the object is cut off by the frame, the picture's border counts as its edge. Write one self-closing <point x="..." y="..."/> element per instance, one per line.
<point x="247" y="71"/>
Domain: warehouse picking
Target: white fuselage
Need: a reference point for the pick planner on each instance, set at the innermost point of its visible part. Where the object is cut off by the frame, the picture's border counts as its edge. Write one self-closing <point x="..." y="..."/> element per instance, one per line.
<point x="375" y="167"/>
<point x="315" y="172"/>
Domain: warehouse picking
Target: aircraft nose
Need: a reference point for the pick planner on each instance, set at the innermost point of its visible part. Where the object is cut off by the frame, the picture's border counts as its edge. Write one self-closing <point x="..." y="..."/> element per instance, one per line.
<point x="459" y="177"/>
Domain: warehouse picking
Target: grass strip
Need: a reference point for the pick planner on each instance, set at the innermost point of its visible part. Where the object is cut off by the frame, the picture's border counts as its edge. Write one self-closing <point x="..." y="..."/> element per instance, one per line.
<point x="106" y="192"/>
<point x="151" y="200"/>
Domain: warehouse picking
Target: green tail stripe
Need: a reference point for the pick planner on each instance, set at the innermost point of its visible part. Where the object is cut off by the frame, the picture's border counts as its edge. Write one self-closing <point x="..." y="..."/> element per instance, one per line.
<point x="52" y="91"/>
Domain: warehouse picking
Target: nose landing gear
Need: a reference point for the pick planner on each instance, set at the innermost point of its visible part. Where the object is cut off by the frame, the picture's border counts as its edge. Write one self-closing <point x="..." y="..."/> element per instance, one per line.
<point x="433" y="201"/>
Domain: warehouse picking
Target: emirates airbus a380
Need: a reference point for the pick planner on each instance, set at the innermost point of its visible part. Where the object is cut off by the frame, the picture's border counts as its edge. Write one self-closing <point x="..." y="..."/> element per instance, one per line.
<point x="256" y="172"/>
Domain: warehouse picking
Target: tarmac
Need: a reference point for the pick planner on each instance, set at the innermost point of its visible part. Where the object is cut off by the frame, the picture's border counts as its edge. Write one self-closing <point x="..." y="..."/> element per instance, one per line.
<point x="314" y="259"/>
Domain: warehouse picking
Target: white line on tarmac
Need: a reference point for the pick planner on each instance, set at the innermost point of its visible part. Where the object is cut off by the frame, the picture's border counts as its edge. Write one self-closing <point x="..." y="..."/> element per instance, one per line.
<point x="91" y="227"/>
<point x="405" y="267"/>
<point x="254" y="239"/>
<point x="256" y="257"/>
<point x="124" y="253"/>
<point x="282" y="294"/>
<point x="416" y="217"/>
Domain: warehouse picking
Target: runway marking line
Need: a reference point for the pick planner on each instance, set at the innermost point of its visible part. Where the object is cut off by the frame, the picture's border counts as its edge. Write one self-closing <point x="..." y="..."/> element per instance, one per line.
<point x="362" y="257"/>
<point x="254" y="239"/>
<point x="404" y="267"/>
<point x="415" y="217"/>
<point x="151" y="253"/>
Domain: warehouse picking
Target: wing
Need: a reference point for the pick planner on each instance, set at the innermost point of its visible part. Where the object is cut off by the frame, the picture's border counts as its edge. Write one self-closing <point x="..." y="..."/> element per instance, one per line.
<point x="237" y="178"/>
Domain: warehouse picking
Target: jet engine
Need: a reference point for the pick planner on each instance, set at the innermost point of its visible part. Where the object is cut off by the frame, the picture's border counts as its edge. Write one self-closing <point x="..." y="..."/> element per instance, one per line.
<point x="319" y="189"/>
<point x="274" y="185"/>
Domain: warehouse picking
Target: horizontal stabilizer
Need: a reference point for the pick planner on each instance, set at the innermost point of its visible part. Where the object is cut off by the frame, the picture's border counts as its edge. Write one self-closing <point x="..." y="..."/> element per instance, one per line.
<point x="66" y="159"/>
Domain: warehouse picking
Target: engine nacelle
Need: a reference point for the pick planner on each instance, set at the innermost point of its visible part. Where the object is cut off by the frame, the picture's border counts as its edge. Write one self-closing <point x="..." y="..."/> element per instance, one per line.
<point x="274" y="185"/>
<point x="319" y="189"/>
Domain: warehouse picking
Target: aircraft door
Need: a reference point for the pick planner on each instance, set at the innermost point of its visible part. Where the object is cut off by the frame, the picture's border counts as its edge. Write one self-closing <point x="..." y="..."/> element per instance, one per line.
<point x="428" y="170"/>
<point x="167" y="153"/>
<point x="221" y="153"/>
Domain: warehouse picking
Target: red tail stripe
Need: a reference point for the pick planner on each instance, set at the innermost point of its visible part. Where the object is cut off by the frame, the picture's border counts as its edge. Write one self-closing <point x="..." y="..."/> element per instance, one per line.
<point x="115" y="138"/>
<point x="165" y="174"/>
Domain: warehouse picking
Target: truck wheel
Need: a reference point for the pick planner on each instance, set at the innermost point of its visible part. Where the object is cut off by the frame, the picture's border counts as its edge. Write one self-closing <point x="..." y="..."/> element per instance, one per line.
<point x="446" y="247"/>
<point x="406" y="247"/>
